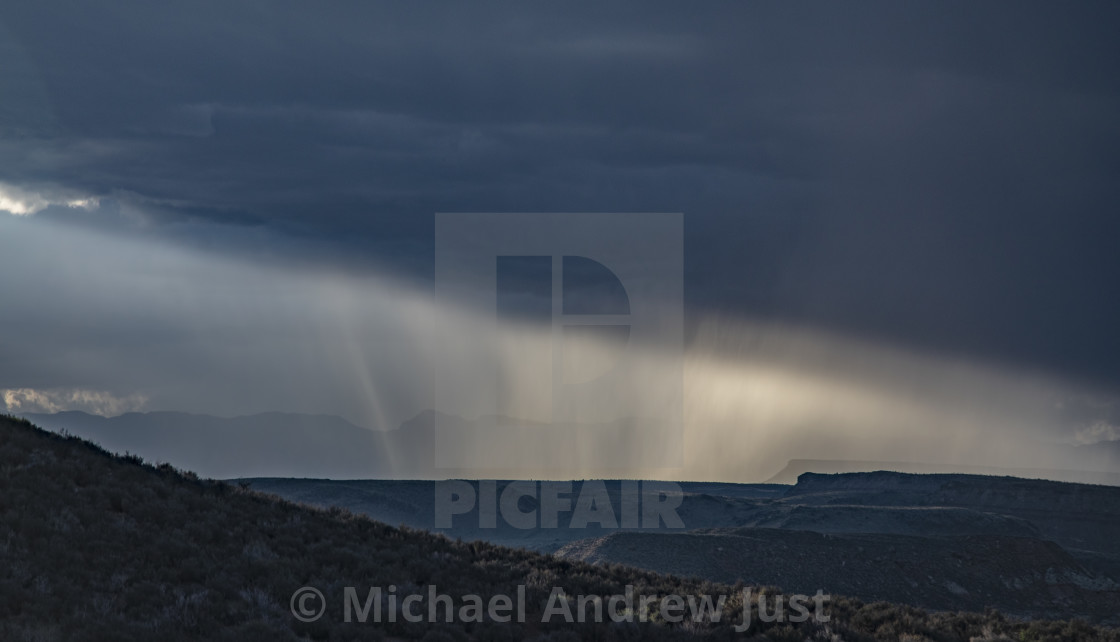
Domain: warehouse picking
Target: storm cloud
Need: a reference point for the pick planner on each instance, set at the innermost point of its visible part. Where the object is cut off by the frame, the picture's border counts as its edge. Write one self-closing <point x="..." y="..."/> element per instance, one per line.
<point x="929" y="179"/>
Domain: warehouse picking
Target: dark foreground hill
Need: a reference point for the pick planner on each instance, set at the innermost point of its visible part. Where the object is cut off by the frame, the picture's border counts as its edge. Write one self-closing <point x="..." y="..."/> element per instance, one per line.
<point x="99" y="547"/>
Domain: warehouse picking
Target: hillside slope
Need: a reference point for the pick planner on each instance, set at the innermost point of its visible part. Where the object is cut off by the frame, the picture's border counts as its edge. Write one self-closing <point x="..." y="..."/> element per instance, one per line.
<point x="96" y="547"/>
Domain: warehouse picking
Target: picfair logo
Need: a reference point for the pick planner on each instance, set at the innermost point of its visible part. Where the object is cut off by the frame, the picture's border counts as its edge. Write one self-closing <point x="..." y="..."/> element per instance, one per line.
<point x="561" y="345"/>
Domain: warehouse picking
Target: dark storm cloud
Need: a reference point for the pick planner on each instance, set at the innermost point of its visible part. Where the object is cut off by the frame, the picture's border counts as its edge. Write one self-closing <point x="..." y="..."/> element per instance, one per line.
<point x="941" y="175"/>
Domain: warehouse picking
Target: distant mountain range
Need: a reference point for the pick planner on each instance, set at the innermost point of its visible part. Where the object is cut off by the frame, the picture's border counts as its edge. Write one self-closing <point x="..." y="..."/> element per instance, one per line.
<point x="267" y="444"/>
<point x="796" y="467"/>
<point x="278" y="444"/>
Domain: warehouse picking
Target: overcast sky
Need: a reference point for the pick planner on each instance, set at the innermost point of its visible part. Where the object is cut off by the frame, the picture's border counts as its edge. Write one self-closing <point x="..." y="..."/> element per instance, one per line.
<point x="933" y="178"/>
